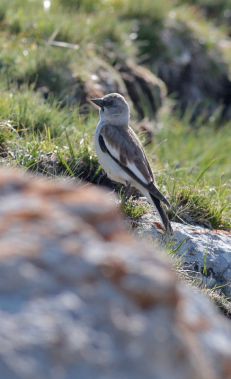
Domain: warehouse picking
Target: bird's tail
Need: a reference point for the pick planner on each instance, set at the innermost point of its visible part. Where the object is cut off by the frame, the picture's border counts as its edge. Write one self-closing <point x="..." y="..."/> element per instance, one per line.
<point x="162" y="214"/>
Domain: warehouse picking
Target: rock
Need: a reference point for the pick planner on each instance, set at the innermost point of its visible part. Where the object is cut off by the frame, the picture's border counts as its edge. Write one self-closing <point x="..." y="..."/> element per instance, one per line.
<point x="195" y="74"/>
<point x="81" y="298"/>
<point x="146" y="91"/>
<point x="140" y="86"/>
<point x="206" y="253"/>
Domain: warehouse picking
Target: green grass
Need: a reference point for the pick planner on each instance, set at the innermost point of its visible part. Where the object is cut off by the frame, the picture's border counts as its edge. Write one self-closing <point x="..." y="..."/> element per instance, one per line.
<point x="26" y="111"/>
<point x="196" y="207"/>
<point x="217" y="10"/>
<point x="48" y="134"/>
<point x="194" y="169"/>
<point x="133" y="209"/>
<point x="191" y="165"/>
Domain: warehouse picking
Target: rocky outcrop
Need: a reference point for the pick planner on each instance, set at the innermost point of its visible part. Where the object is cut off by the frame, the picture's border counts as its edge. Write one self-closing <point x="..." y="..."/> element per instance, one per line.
<point x="80" y="298"/>
<point x="205" y="253"/>
<point x="146" y="91"/>
<point x="195" y="74"/>
<point x="140" y="86"/>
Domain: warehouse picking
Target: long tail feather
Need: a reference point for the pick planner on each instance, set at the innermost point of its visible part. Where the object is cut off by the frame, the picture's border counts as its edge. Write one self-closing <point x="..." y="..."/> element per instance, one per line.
<point x="162" y="214"/>
<point x="154" y="192"/>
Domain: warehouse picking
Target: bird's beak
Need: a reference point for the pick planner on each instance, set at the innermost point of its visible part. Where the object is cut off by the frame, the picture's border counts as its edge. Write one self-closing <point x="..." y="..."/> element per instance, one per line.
<point x="99" y="102"/>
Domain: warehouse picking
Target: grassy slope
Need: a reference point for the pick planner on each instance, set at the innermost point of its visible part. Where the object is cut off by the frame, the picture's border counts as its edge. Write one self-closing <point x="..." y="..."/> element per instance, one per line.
<point x="191" y="165"/>
<point x="197" y="171"/>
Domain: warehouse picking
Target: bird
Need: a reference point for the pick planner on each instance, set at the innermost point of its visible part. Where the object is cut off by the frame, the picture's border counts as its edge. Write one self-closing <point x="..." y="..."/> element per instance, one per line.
<point x="121" y="154"/>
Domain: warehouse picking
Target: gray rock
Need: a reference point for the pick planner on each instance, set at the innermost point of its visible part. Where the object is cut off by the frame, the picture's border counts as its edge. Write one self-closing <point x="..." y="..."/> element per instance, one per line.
<point x="203" y="251"/>
<point x="80" y="298"/>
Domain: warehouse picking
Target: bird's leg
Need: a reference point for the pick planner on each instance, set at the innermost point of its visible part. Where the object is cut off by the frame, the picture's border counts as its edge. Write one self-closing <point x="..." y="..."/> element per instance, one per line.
<point x="128" y="191"/>
<point x="101" y="178"/>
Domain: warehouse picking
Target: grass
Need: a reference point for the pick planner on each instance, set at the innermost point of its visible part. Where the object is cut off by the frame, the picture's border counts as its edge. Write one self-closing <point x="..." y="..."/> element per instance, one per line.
<point x="218" y="298"/>
<point x="196" y="171"/>
<point x="194" y="207"/>
<point x="133" y="209"/>
<point x="217" y="10"/>
<point x="215" y="294"/>
<point x="201" y="28"/>
<point x="44" y="137"/>
<point x="44" y="131"/>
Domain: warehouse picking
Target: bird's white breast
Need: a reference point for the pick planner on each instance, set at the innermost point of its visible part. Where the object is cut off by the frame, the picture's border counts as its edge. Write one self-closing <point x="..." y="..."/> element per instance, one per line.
<point x="112" y="169"/>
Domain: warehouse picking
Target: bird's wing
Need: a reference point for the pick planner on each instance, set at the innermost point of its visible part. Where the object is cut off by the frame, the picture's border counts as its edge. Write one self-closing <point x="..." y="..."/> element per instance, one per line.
<point x="124" y="148"/>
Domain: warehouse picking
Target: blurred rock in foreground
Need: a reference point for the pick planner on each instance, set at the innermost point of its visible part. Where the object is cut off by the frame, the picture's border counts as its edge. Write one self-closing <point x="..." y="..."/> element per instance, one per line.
<point x="80" y="298"/>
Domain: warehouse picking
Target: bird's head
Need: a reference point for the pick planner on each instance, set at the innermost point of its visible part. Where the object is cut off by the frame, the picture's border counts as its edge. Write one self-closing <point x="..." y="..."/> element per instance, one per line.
<point x="113" y="109"/>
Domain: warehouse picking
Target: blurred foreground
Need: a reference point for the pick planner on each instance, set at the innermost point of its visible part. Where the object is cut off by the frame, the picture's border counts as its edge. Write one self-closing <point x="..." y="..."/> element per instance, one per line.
<point x="80" y="298"/>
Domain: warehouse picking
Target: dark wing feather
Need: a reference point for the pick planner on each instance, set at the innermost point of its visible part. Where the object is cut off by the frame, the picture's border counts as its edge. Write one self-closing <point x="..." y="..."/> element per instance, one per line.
<point x="102" y="145"/>
<point x="125" y="168"/>
<point x="133" y="150"/>
<point x="162" y="214"/>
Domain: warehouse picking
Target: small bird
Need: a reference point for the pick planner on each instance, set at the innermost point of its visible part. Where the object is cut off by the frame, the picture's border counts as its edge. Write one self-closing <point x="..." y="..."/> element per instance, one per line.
<point x="121" y="154"/>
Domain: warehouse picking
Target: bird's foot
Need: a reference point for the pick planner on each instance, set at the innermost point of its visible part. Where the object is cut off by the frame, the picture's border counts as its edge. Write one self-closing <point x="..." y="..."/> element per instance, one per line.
<point x="128" y="191"/>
